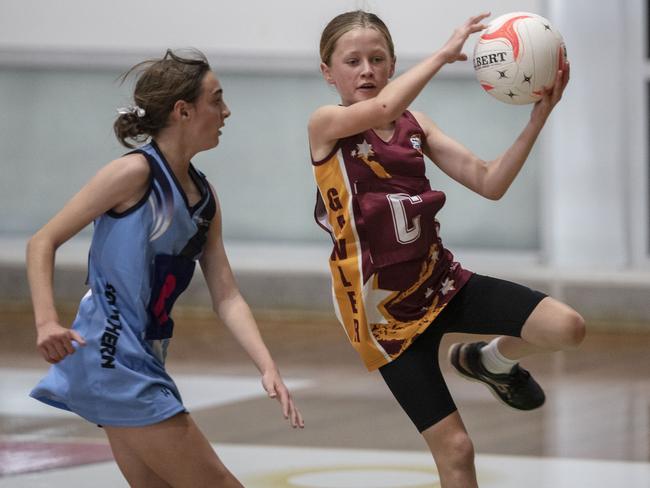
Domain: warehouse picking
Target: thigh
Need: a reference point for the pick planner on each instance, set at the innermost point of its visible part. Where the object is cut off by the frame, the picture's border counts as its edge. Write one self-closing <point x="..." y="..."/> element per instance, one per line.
<point x="134" y="470"/>
<point x="176" y="451"/>
<point x="553" y="325"/>
<point x="487" y="305"/>
<point x="417" y="383"/>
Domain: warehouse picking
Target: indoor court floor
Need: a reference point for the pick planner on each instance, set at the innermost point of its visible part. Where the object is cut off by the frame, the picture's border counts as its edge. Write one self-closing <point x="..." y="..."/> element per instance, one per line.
<point x="594" y="430"/>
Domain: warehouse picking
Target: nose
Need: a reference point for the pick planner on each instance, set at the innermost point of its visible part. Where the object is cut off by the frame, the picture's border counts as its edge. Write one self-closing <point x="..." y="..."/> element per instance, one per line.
<point x="226" y="111"/>
<point x="366" y="69"/>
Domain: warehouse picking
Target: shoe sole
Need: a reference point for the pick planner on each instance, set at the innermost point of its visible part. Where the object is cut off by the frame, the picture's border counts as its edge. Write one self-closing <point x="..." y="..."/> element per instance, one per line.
<point x="451" y="351"/>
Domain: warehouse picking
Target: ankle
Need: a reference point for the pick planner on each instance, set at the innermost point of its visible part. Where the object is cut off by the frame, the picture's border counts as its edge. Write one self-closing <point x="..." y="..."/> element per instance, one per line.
<point x="494" y="361"/>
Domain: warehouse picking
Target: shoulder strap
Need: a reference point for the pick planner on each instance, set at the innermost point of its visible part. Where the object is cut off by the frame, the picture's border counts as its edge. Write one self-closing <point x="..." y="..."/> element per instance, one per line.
<point x="203" y="218"/>
<point x="411" y="120"/>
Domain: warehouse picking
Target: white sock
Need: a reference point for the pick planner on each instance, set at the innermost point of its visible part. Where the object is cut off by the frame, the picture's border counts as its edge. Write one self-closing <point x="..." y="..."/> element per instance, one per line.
<point x="494" y="361"/>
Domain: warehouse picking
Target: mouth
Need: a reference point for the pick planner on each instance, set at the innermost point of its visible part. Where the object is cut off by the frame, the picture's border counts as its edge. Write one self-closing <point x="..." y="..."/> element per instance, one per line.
<point x="366" y="87"/>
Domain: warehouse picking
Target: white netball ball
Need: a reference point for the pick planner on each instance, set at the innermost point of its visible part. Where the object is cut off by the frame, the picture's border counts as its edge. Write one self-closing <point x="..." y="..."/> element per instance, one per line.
<point x="517" y="55"/>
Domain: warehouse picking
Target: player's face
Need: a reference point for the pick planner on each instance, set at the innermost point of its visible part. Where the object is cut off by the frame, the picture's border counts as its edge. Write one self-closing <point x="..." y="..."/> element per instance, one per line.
<point x="360" y="65"/>
<point x="210" y="113"/>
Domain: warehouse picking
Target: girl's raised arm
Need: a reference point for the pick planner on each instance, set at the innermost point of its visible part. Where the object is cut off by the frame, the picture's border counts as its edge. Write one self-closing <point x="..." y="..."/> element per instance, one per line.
<point x="491" y="179"/>
<point x="332" y="122"/>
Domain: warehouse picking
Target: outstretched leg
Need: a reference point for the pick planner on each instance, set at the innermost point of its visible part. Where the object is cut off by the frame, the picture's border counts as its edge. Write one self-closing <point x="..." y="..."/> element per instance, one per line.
<point x="170" y="453"/>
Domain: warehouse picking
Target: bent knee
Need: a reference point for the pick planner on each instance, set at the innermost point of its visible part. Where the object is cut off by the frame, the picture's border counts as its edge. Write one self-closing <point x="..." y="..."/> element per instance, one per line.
<point x="573" y="329"/>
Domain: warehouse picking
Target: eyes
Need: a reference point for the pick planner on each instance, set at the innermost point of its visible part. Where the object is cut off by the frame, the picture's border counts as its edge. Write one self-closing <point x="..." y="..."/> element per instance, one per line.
<point x="355" y="61"/>
<point x="217" y="100"/>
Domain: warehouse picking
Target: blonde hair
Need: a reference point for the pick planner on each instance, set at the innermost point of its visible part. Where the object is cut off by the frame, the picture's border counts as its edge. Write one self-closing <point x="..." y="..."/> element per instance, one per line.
<point x="345" y="22"/>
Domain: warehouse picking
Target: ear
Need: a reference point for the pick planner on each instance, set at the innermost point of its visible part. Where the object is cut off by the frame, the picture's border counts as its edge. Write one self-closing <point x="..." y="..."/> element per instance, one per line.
<point x="392" y="67"/>
<point x="327" y="73"/>
<point x="181" y="110"/>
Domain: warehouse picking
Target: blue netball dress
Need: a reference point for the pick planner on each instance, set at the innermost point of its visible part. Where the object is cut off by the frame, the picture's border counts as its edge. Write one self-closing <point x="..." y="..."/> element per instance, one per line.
<point x="140" y="261"/>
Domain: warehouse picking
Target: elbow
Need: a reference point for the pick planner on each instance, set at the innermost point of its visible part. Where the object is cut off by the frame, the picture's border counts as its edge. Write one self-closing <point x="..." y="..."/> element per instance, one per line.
<point x="494" y="195"/>
<point x="225" y="302"/>
<point x="34" y="242"/>
<point x="40" y="243"/>
<point x="489" y="192"/>
<point x="486" y="183"/>
<point x="493" y="190"/>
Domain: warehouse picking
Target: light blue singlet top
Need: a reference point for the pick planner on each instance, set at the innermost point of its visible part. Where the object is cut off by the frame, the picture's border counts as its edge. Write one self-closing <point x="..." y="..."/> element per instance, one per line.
<point x="139" y="263"/>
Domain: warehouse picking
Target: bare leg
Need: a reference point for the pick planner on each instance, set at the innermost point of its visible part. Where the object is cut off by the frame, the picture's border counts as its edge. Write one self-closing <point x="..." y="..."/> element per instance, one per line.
<point x="453" y="452"/>
<point x="171" y="453"/>
<point x="134" y="470"/>
<point x="552" y="326"/>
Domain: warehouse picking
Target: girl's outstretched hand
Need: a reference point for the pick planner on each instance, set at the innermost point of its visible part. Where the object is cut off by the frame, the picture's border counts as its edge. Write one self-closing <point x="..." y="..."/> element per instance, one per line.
<point x="275" y="387"/>
<point x="552" y="95"/>
<point x="54" y="342"/>
<point x="452" y="50"/>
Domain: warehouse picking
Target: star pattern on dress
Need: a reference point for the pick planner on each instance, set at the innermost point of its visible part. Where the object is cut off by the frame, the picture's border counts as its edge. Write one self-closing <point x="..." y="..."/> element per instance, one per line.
<point x="364" y="150"/>
<point x="428" y="292"/>
<point x="447" y="286"/>
<point x="373" y="298"/>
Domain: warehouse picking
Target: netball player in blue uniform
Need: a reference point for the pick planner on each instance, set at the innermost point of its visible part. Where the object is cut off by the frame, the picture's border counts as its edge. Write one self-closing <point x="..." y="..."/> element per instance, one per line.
<point x="397" y="289"/>
<point x="155" y="215"/>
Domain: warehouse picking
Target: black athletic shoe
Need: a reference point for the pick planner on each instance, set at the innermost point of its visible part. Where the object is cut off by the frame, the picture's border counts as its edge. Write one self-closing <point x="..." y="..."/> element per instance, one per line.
<point x="516" y="389"/>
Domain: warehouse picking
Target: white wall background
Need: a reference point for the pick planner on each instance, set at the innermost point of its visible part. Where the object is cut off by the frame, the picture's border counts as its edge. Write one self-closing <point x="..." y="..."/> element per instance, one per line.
<point x="282" y="27"/>
<point x="59" y="61"/>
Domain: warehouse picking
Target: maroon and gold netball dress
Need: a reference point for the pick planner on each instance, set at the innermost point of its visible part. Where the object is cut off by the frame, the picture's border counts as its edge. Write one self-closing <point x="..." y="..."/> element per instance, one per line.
<point x="391" y="275"/>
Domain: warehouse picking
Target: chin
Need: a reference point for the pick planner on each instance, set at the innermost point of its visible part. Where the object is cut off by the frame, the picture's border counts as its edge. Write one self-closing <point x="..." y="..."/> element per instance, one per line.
<point x="212" y="145"/>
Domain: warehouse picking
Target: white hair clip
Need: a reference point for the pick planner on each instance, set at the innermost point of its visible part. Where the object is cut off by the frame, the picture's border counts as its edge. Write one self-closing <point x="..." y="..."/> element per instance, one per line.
<point x="132" y="109"/>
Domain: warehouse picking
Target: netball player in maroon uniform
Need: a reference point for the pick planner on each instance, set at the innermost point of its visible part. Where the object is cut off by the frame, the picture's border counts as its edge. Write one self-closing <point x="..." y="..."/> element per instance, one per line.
<point x="396" y="288"/>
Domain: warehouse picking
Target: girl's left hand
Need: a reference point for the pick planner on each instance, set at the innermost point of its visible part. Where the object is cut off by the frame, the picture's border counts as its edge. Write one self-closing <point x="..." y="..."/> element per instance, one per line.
<point x="552" y="95"/>
<point x="275" y="387"/>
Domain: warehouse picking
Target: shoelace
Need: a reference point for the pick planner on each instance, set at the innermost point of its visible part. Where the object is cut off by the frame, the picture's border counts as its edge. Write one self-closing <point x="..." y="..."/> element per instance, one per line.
<point x="518" y="379"/>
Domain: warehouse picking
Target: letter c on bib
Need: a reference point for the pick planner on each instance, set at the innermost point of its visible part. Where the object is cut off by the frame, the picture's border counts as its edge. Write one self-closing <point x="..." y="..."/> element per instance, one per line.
<point x="405" y="232"/>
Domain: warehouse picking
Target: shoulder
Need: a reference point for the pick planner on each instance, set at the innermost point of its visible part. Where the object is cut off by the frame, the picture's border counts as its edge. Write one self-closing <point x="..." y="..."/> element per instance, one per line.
<point x="322" y="115"/>
<point x="321" y="138"/>
<point x="134" y="165"/>
<point x="126" y="176"/>
<point x="428" y="126"/>
<point x="215" y="197"/>
<point x="214" y="192"/>
<point x="423" y="119"/>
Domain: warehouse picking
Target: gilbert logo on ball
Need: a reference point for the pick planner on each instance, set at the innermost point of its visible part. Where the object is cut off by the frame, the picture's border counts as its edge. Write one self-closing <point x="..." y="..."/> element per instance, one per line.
<point x="517" y="55"/>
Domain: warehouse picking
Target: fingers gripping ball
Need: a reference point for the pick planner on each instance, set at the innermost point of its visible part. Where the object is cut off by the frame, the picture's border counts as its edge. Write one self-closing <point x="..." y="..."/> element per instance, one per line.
<point x="517" y="56"/>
